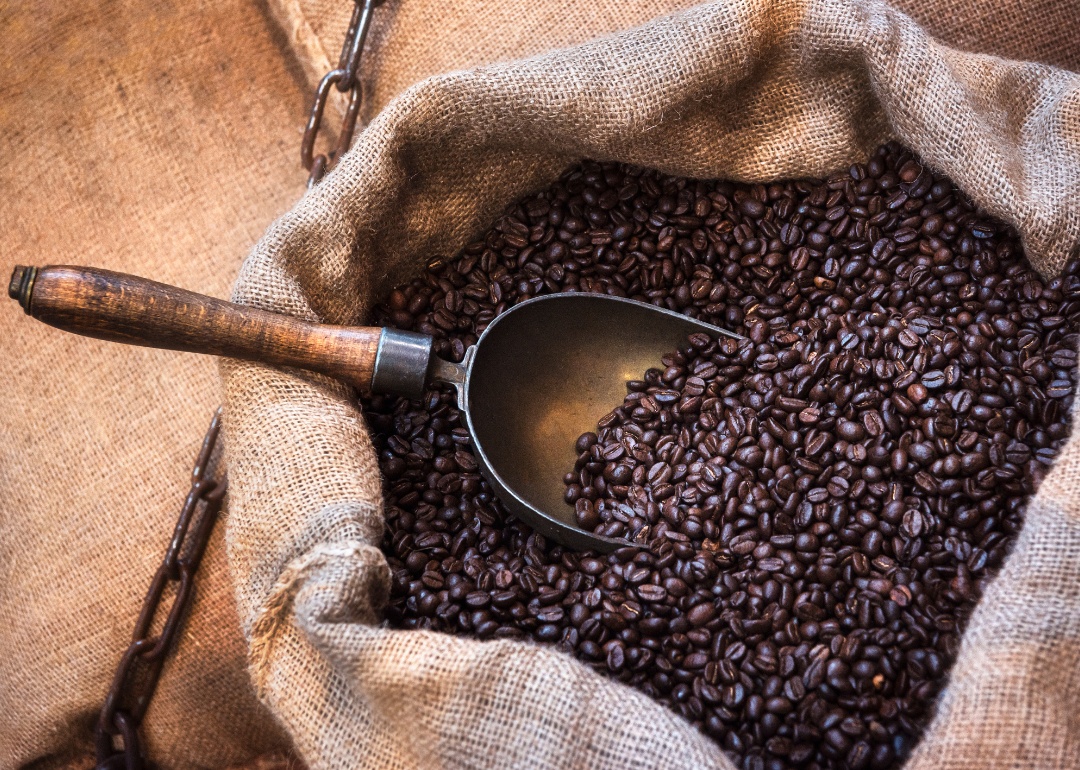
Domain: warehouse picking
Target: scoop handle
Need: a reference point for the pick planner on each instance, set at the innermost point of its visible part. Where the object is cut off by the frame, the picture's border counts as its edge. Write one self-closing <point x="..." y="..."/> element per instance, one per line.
<point x="136" y="311"/>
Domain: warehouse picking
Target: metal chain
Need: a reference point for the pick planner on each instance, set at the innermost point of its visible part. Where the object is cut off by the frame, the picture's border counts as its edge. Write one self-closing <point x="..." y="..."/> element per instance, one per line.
<point x="344" y="78"/>
<point x="140" y="667"/>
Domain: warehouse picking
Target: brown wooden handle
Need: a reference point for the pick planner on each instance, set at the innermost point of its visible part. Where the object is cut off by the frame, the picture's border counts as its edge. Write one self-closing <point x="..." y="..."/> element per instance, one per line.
<point x="124" y="308"/>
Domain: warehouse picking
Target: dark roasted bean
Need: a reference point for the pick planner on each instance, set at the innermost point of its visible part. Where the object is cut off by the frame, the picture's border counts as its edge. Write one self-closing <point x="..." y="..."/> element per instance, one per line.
<point x="702" y="614"/>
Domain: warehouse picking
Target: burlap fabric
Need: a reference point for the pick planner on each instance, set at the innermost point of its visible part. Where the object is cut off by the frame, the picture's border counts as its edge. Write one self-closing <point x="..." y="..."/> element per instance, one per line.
<point x="410" y="41"/>
<point x="158" y="139"/>
<point x="752" y="90"/>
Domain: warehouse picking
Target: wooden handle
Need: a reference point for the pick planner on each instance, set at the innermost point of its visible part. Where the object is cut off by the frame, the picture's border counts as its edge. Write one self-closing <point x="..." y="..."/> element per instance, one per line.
<point x="124" y="308"/>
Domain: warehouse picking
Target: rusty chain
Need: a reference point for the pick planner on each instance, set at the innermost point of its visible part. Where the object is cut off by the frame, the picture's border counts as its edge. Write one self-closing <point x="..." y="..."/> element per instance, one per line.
<point x="345" y="79"/>
<point x="140" y="667"/>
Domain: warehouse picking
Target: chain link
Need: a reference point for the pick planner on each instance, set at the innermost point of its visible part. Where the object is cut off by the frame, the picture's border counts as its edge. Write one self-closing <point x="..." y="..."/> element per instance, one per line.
<point x="344" y="78"/>
<point x="140" y="667"/>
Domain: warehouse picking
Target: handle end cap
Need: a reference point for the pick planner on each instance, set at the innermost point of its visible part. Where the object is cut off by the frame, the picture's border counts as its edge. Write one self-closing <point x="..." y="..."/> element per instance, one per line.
<point x="22" y="285"/>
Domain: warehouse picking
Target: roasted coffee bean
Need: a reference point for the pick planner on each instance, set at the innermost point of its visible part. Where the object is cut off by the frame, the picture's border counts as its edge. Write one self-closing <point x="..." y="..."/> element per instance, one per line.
<point x="933" y="379"/>
<point x="814" y="514"/>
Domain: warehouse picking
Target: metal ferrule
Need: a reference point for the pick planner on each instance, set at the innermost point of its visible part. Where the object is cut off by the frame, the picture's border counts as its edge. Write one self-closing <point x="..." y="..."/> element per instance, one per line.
<point x="401" y="363"/>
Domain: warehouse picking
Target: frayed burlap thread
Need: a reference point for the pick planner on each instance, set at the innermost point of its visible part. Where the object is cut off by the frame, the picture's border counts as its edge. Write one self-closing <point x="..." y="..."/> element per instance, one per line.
<point x="749" y="90"/>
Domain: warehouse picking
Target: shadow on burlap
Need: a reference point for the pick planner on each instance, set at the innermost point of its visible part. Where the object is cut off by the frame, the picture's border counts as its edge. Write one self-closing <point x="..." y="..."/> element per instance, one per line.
<point x="752" y="91"/>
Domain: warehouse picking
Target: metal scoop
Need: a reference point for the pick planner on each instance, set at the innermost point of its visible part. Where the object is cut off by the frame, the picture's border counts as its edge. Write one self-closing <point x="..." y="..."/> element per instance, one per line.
<point x="541" y="374"/>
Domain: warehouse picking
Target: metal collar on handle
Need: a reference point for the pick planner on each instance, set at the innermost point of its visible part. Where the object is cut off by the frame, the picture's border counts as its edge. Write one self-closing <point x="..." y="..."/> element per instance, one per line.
<point x="401" y="363"/>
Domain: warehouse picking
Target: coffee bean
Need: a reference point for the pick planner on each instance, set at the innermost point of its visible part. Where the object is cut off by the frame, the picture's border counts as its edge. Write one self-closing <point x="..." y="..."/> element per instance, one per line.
<point x="651" y="593"/>
<point x="586" y="515"/>
<point x="751" y="208"/>
<point x="616" y="658"/>
<point x="1056" y="389"/>
<point x="851" y="431"/>
<point x="933" y="379"/>
<point x="866" y="457"/>
<point x="701" y="614"/>
<point x="908" y="339"/>
<point x="873" y="423"/>
<point x="912" y="524"/>
<point x="613" y="452"/>
<point x="478" y="599"/>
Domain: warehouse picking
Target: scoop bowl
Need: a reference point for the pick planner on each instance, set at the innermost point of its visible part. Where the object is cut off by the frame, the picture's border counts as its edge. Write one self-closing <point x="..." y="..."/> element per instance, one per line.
<point x="545" y="372"/>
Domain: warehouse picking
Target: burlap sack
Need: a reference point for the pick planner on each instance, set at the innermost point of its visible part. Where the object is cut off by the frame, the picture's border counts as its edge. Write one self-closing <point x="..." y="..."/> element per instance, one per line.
<point x="158" y="139"/>
<point x="753" y="90"/>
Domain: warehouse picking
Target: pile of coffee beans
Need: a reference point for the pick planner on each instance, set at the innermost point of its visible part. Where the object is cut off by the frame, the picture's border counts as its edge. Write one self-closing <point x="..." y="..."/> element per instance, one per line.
<point x="814" y="513"/>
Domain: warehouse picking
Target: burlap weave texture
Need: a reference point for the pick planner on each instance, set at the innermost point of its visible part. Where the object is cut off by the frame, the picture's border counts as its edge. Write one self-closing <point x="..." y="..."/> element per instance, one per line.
<point x="157" y="139"/>
<point x="410" y="41"/>
<point x="749" y="90"/>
